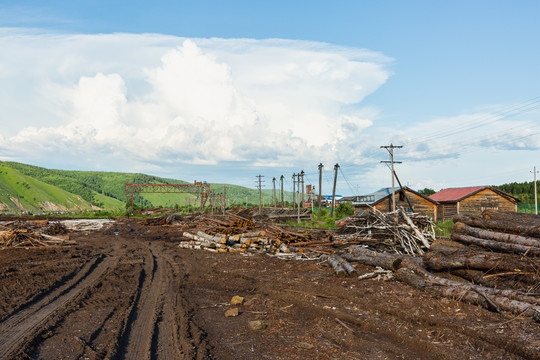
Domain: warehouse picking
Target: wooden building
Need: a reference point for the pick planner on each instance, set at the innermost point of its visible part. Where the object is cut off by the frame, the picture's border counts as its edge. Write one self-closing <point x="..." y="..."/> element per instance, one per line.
<point x="382" y="201"/>
<point x="472" y="201"/>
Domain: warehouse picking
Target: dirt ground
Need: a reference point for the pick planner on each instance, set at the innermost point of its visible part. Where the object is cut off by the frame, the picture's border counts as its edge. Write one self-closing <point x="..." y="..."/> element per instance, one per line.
<point x="129" y="292"/>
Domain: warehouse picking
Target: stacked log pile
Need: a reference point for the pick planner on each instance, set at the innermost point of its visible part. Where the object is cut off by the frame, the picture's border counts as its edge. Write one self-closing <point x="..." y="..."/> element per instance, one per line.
<point x="499" y="249"/>
<point x="492" y="261"/>
<point x="394" y="232"/>
<point x="235" y="233"/>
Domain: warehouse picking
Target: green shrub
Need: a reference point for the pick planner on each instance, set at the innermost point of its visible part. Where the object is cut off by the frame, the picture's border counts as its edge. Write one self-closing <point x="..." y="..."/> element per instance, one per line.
<point x="344" y="209"/>
<point x="330" y="222"/>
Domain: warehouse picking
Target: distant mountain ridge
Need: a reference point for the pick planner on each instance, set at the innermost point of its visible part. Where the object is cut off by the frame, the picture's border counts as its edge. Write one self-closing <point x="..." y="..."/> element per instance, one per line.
<point x="31" y="188"/>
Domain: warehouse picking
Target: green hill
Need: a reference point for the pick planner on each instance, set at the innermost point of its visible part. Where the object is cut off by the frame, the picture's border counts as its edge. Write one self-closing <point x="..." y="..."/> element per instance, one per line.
<point x="19" y="192"/>
<point x="33" y="188"/>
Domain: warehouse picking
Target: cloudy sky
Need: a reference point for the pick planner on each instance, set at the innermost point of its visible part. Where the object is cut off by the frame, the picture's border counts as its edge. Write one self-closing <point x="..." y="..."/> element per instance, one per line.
<point x="224" y="91"/>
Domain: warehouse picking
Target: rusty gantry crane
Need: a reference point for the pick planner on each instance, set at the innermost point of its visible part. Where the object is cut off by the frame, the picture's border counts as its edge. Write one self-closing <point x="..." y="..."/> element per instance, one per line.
<point x="197" y="187"/>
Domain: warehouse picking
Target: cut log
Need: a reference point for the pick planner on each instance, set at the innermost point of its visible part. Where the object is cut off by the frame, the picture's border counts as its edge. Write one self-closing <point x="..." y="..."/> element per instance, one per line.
<point x="208" y="237"/>
<point x="253" y="234"/>
<point x="335" y="264"/>
<point x="496" y="245"/>
<point x="441" y="257"/>
<point x="511" y="294"/>
<point x="409" y="277"/>
<point x="521" y="218"/>
<point x="475" y="276"/>
<point x="348" y="267"/>
<point x="467" y="293"/>
<point x="508" y="226"/>
<point x="373" y="258"/>
<point x="201" y="240"/>
<point x="462" y="228"/>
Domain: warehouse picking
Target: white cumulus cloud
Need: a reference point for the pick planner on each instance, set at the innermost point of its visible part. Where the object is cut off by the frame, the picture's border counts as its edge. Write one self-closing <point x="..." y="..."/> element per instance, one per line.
<point x="136" y="102"/>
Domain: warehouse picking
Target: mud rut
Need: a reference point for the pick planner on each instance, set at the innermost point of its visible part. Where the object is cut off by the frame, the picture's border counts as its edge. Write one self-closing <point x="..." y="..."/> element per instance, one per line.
<point x="119" y="305"/>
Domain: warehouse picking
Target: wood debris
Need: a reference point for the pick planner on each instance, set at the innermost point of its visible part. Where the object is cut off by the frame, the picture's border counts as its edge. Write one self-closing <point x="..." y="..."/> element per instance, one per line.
<point x="396" y="231"/>
<point x="496" y="256"/>
<point x="28" y="238"/>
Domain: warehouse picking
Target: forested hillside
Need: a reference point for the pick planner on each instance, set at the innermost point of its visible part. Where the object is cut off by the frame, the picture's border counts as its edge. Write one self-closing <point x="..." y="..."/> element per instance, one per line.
<point x="20" y="192"/>
<point x="27" y="187"/>
<point x="523" y="191"/>
<point x="98" y="188"/>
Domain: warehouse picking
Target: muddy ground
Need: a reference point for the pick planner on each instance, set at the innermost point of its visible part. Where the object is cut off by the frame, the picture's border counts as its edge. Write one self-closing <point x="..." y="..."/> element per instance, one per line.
<point x="128" y="292"/>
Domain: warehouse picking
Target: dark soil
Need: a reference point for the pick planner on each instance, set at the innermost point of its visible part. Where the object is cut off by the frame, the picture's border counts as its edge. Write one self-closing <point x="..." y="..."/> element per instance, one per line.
<point x="128" y="292"/>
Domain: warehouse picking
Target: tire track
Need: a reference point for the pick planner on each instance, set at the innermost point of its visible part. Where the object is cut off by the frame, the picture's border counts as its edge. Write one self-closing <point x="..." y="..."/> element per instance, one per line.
<point x="166" y="339"/>
<point x="139" y="345"/>
<point x="21" y="326"/>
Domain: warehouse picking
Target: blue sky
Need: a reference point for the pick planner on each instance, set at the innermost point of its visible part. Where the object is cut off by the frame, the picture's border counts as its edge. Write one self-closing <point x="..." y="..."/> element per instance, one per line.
<point x="274" y="88"/>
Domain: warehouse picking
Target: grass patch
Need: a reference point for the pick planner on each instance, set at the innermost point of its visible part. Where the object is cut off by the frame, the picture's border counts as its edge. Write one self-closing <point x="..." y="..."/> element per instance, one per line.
<point x="444" y="228"/>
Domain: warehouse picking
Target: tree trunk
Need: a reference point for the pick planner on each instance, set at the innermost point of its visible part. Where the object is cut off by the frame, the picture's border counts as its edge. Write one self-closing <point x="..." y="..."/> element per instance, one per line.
<point x="495" y="279"/>
<point x="497" y="236"/>
<point x="335" y="264"/>
<point x="496" y="245"/>
<point x="446" y="258"/>
<point x="373" y="258"/>
<point x="527" y="219"/>
<point x="468" y="293"/>
<point x="505" y="225"/>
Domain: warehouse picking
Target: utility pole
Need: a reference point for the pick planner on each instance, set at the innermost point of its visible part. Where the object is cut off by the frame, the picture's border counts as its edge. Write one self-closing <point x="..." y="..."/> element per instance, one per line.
<point x="535" y="193"/>
<point x="298" y="197"/>
<point x="224" y="199"/>
<point x="293" y="191"/>
<point x="298" y="190"/>
<point x="390" y="149"/>
<point x="336" y="167"/>
<point x="320" y="187"/>
<point x="282" y="202"/>
<point x="302" y="174"/>
<point x="274" y="196"/>
<point x="260" y="191"/>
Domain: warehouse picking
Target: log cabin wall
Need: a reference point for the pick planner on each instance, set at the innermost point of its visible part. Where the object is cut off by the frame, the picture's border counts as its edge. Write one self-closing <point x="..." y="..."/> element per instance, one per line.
<point x="361" y="209"/>
<point x="446" y="211"/>
<point x="485" y="199"/>
<point x="420" y="205"/>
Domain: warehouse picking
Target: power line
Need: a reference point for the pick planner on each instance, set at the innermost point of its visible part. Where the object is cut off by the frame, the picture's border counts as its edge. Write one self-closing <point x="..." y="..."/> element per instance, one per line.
<point x="342" y="174"/>
<point x="483" y="120"/>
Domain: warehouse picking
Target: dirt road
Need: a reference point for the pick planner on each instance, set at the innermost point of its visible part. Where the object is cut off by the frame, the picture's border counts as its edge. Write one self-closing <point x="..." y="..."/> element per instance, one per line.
<point x="129" y="292"/>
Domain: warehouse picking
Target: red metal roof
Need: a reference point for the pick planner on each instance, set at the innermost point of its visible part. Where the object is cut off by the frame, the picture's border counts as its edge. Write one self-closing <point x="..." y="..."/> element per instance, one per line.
<point x="454" y="194"/>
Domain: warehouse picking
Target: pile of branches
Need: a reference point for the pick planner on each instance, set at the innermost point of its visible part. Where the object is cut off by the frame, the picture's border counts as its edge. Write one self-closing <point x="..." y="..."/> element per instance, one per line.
<point x="27" y="238"/>
<point x="397" y="232"/>
<point x="33" y="234"/>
